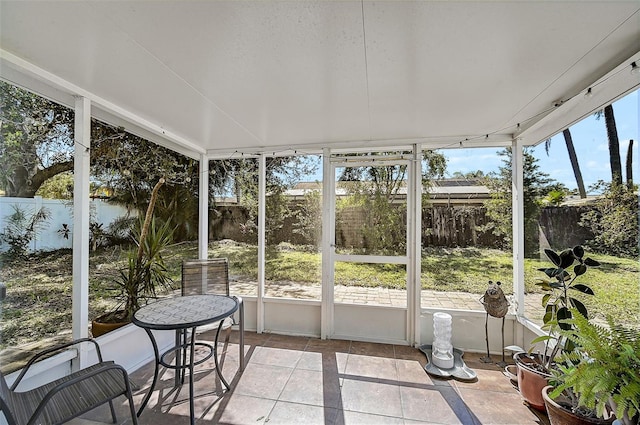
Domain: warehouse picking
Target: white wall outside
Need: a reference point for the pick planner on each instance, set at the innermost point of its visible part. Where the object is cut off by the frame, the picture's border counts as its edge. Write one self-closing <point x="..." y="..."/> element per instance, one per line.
<point x="61" y="212"/>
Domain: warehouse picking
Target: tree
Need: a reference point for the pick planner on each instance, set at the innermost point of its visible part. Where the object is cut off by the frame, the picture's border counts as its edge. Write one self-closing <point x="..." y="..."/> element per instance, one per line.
<point x="614" y="221"/>
<point x="308" y="223"/>
<point x="574" y="162"/>
<point x="536" y="184"/>
<point x="471" y="175"/>
<point x="573" y="158"/>
<point x="375" y="191"/>
<point x="239" y="177"/>
<point x="59" y="186"/>
<point x="36" y="140"/>
<point x="614" y="143"/>
<point x="629" y="165"/>
<point x="126" y="165"/>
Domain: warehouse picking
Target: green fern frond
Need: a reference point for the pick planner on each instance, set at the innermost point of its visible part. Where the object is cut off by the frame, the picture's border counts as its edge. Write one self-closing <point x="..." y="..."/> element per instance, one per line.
<point x="605" y="365"/>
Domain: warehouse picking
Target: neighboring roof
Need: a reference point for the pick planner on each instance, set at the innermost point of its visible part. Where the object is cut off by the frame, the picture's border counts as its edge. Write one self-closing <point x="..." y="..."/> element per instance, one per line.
<point x="228" y="77"/>
<point x="448" y="189"/>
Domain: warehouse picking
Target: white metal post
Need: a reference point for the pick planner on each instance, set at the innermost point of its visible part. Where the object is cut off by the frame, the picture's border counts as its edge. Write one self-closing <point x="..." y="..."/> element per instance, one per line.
<point x="517" y="207"/>
<point x="81" y="162"/>
<point x="328" y="244"/>
<point x="414" y="286"/>
<point x="203" y="205"/>
<point x="262" y="202"/>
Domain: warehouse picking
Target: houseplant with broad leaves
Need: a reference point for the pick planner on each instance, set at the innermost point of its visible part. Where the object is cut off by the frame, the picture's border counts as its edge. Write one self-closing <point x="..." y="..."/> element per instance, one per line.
<point x="560" y="286"/>
<point x="145" y="273"/>
<point x="601" y="376"/>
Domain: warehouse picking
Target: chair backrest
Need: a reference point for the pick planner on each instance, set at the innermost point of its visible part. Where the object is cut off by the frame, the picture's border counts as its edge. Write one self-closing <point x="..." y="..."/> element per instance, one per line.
<point x="6" y="400"/>
<point x="209" y="276"/>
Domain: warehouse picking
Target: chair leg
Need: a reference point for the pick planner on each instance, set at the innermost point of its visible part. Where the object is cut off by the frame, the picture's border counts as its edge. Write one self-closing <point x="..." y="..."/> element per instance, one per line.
<point x="132" y="408"/>
<point x="114" y="419"/>
<point x="227" y="336"/>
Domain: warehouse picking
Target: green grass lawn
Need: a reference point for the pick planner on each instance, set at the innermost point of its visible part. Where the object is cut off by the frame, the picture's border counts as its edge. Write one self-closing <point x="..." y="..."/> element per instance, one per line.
<point x="39" y="288"/>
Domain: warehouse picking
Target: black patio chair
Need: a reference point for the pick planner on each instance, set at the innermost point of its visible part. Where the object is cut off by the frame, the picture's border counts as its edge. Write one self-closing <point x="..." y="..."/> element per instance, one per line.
<point x="67" y="397"/>
<point x="210" y="276"/>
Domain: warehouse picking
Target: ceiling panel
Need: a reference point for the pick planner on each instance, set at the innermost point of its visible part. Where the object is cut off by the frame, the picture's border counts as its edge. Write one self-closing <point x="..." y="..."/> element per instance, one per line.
<point x="263" y="75"/>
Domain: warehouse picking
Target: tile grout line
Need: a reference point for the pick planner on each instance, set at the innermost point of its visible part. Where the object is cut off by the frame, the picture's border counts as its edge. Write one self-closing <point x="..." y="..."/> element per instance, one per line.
<point x="285" y="384"/>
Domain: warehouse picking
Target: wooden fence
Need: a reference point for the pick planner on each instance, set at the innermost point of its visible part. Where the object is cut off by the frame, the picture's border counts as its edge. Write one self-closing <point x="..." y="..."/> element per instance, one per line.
<point x="442" y="225"/>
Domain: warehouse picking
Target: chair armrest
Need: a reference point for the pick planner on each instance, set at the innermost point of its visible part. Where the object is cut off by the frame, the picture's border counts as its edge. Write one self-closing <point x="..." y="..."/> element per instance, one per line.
<point x="53" y="350"/>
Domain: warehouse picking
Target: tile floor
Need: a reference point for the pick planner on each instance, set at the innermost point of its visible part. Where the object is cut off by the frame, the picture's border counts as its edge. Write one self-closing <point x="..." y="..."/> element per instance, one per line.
<point x="297" y="380"/>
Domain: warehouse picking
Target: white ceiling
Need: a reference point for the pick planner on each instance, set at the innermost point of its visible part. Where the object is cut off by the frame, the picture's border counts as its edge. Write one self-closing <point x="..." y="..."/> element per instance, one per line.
<point x="217" y="77"/>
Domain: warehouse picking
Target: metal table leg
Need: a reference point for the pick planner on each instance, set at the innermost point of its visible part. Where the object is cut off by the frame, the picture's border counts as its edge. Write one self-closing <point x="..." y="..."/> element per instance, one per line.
<point x="192" y="349"/>
<point x="156" y="354"/>
<point x="215" y="358"/>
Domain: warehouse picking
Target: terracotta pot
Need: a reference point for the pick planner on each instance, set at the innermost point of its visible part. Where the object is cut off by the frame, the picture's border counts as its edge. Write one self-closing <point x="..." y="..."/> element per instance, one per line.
<point x="558" y="415"/>
<point x="531" y="381"/>
<point x="100" y="326"/>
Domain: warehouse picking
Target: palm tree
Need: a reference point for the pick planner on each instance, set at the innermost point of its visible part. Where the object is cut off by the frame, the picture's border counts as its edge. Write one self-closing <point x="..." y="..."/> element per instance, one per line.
<point x="614" y="145"/>
<point x="573" y="158"/>
<point x="630" y="165"/>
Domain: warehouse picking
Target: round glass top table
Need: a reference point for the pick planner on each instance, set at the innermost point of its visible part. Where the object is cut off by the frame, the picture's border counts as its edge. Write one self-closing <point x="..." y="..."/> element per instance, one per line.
<point x="185" y="312"/>
<point x="181" y="314"/>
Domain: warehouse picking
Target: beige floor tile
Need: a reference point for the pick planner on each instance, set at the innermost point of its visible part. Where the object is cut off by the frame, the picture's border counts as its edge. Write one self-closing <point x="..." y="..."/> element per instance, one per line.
<point x="373" y="367"/>
<point x="308" y="380"/>
<point x="240" y="409"/>
<point x="264" y="381"/>
<point x="412" y="371"/>
<point x="427" y="405"/>
<point x="372" y="349"/>
<point x="358" y="418"/>
<point x="285" y="413"/>
<point x="499" y="407"/>
<point x="314" y="388"/>
<point x="371" y="397"/>
<point x="271" y="356"/>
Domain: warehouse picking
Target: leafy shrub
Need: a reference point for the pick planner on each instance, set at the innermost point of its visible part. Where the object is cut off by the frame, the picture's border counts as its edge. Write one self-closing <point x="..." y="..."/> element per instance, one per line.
<point x="120" y="230"/>
<point x="536" y="184"/>
<point x="613" y="221"/>
<point x="21" y="228"/>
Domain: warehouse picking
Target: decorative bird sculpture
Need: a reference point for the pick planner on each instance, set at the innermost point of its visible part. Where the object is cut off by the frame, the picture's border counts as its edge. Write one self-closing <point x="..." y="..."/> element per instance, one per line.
<point x="495" y="304"/>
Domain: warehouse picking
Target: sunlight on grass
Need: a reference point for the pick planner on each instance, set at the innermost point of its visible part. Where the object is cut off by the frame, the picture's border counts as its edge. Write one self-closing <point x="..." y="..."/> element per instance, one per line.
<point x="40" y="289"/>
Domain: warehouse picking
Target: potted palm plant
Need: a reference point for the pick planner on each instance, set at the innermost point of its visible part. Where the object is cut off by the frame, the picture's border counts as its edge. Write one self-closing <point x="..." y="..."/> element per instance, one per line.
<point x="601" y="376"/>
<point x="145" y="272"/>
<point x="534" y="370"/>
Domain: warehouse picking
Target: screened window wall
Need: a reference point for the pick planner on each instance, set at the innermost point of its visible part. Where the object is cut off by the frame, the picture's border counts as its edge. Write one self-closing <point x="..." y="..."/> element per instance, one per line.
<point x="233" y="220"/>
<point x="602" y="219"/>
<point x="293" y="227"/>
<point x="466" y="226"/>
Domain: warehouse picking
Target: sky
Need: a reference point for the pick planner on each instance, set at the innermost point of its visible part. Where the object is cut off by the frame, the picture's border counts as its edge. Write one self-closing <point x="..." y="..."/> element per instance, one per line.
<point x="590" y="142"/>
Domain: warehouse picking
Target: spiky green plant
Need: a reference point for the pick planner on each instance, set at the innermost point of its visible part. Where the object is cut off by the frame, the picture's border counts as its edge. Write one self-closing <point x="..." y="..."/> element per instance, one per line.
<point x="146" y="271"/>
<point x="604" y="367"/>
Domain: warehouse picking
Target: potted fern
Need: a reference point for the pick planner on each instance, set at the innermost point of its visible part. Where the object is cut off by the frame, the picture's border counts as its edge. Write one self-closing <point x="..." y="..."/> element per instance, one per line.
<point x="145" y="272"/>
<point x="560" y="285"/>
<point x="601" y="376"/>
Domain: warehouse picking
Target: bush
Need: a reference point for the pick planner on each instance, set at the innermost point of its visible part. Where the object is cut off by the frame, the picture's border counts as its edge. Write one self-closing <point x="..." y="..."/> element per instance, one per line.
<point x="21" y="229"/>
<point x="613" y="221"/>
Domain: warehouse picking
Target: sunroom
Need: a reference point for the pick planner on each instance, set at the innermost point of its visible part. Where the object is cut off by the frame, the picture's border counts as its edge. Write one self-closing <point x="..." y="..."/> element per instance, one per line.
<point x="343" y="86"/>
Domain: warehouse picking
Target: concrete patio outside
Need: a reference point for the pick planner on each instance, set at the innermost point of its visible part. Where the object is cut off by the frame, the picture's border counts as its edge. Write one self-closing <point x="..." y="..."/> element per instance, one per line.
<point x="386" y="296"/>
